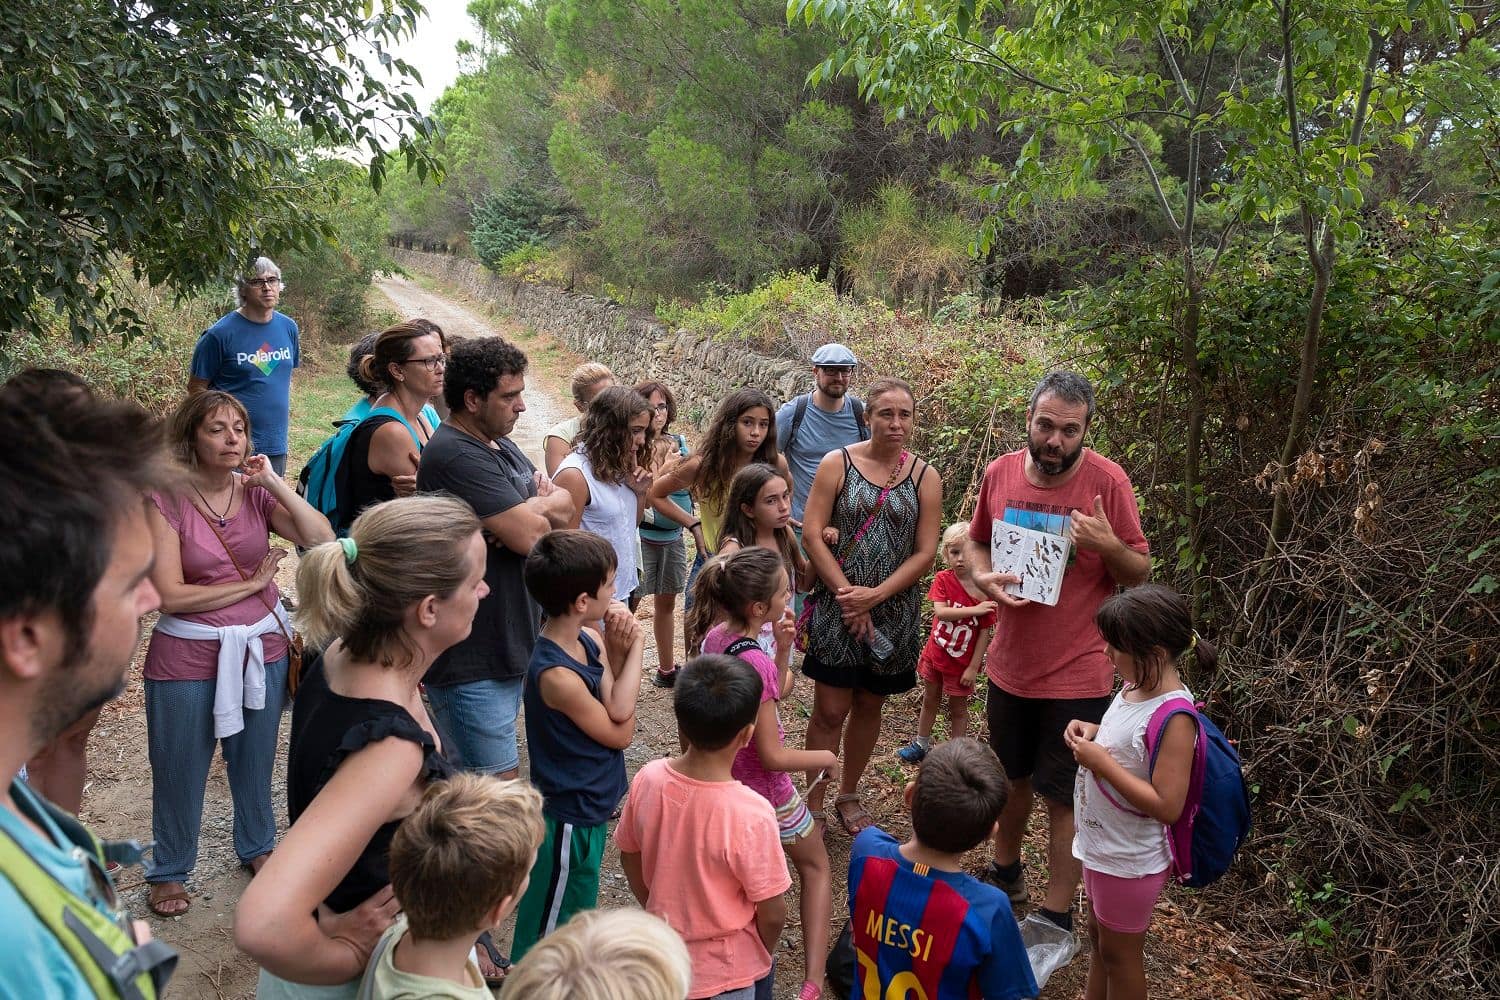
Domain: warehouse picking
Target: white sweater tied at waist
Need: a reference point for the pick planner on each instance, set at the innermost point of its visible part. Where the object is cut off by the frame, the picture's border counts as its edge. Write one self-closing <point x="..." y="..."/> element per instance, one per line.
<point x="241" y="679"/>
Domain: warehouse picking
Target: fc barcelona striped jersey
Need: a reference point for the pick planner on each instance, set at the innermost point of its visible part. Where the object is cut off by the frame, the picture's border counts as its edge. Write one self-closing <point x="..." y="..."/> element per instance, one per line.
<point x="922" y="934"/>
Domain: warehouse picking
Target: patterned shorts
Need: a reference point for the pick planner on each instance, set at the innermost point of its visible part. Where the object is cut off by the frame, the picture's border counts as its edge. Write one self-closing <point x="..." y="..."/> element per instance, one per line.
<point x="793" y="819"/>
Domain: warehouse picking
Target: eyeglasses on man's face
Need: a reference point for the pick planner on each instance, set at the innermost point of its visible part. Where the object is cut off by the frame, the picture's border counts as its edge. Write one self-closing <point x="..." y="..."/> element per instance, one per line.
<point x="270" y="281"/>
<point x="432" y="362"/>
<point x="835" y="371"/>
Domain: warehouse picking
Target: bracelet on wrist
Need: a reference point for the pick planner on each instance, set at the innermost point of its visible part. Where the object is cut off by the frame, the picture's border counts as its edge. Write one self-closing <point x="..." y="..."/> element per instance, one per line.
<point x="695" y="525"/>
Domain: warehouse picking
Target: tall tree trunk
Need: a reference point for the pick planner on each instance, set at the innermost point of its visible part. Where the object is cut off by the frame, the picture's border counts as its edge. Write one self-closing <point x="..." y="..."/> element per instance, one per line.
<point x="1192" y="479"/>
<point x="1321" y="256"/>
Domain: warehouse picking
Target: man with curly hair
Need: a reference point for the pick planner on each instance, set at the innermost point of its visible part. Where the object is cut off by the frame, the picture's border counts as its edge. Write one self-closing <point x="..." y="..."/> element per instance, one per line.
<point x="475" y="687"/>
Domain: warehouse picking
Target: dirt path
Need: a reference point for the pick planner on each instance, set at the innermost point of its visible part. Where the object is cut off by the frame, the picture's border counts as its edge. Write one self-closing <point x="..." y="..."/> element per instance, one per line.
<point x="1184" y="959"/>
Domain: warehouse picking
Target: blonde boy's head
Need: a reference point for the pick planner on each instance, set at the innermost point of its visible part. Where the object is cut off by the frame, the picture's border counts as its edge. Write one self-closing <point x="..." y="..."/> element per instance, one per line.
<point x="954" y="533"/>
<point x="605" y="955"/>
<point x="467" y="846"/>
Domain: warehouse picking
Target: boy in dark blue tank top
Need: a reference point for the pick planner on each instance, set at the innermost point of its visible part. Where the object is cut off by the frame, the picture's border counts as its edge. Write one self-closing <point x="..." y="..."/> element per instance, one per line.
<point x="580" y="716"/>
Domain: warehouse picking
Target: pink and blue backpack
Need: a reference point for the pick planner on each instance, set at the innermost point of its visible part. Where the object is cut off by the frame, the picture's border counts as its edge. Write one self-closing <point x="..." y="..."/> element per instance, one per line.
<point x="1215" y="816"/>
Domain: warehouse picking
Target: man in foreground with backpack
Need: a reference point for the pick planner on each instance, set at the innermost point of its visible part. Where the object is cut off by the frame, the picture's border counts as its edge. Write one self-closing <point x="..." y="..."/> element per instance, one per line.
<point x="74" y="583"/>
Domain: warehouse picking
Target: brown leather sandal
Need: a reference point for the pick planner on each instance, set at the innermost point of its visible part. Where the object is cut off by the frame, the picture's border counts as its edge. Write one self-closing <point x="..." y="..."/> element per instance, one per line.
<point x="154" y="903"/>
<point x="858" y="819"/>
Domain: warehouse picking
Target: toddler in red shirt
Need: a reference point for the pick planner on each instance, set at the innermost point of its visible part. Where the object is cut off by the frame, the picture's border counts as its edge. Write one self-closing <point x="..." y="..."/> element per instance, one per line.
<point x="963" y="620"/>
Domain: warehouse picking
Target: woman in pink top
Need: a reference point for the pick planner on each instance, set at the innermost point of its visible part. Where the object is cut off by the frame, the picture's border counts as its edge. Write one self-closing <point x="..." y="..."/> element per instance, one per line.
<point x="216" y="666"/>
<point x="746" y="590"/>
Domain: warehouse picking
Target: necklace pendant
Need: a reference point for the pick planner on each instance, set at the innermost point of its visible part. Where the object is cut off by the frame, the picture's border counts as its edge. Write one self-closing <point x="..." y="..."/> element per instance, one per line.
<point x="221" y="522"/>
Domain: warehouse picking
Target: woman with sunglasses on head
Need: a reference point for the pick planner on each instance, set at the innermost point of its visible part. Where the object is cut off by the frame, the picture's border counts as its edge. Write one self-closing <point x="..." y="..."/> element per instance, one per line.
<point x="383" y="452"/>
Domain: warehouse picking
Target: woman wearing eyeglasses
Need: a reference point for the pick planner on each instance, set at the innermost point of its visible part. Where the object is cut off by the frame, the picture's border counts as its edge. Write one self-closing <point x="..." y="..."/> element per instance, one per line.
<point x="383" y="452"/>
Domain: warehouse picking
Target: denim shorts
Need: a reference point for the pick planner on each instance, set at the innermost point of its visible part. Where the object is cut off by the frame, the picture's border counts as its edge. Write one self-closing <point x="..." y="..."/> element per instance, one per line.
<point x="478" y="723"/>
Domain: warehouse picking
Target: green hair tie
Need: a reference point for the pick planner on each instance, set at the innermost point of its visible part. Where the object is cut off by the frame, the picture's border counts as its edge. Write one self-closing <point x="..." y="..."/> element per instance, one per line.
<point x="351" y="550"/>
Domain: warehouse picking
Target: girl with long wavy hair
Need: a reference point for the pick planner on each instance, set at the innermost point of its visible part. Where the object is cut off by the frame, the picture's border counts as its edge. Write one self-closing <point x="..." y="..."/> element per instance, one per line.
<point x="743" y="430"/>
<point x="757" y="515"/>
<point x="608" y="475"/>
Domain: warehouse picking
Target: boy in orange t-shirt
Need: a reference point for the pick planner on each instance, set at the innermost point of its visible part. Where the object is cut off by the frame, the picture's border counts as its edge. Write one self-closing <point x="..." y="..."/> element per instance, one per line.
<point x="699" y="849"/>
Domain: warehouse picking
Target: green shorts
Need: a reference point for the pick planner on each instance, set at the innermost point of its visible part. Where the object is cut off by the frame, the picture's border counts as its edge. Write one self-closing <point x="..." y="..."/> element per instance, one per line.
<point x="564" y="881"/>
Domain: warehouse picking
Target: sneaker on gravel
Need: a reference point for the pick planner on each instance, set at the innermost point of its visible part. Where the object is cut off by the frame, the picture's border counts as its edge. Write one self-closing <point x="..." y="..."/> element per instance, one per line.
<point x="912" y="753"/>
<point x="1014" y="888"/>
<point x="664" y="680"/>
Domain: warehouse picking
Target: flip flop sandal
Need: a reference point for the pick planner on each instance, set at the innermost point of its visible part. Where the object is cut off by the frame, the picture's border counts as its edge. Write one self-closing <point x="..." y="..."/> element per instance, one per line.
<point x="497" y="956"/>
<point x="172" y="897"/>
<point x="862" y="819"/>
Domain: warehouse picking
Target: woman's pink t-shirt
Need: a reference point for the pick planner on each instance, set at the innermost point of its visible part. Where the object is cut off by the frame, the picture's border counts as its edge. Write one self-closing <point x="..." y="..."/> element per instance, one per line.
<point x="204" y="563"/>
<point x="776" y="786"/>
<point x="710" y="851"/>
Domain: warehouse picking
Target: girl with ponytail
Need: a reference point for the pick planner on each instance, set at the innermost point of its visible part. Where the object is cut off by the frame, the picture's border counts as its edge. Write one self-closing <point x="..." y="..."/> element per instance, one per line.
<point x="382" y="603"/>
<point x="750" y="589"/>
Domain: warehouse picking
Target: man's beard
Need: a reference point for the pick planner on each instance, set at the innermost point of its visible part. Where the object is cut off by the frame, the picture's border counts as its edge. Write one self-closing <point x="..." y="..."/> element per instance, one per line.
<point x="1054" y="466"/>
<point x="61" y="702"/>
<point x="835" y="389"/>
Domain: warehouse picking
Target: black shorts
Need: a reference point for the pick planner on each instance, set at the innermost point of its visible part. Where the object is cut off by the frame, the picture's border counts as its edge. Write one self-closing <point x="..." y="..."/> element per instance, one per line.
<point x="1027" y="736"/>
<point x="861" y="677"/>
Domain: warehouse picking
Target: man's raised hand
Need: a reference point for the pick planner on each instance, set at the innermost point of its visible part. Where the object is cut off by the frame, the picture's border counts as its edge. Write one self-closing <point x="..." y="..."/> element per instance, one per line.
<point x="1093" y="532"/>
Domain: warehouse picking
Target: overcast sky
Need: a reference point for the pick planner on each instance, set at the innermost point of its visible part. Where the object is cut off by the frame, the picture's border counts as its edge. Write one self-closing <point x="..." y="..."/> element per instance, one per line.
<point x="432" y="50"/>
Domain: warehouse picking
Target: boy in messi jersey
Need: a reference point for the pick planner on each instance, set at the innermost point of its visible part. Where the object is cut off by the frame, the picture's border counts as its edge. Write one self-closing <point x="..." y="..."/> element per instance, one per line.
<point x="922" y="927"/>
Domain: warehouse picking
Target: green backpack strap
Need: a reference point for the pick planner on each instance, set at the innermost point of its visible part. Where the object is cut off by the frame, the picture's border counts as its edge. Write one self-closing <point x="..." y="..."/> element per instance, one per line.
<point x="104" y="951"/>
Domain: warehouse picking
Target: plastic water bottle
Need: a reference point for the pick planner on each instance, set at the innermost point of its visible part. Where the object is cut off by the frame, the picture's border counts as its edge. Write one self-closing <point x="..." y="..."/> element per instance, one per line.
<point x="881" y="648"/>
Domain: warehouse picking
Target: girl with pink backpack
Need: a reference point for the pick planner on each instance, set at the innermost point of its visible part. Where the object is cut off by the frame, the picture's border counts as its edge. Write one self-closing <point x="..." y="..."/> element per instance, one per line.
<point x="1138" y="770"/>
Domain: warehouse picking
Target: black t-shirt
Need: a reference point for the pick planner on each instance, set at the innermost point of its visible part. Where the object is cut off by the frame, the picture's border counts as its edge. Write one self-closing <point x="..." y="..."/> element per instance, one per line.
<point x="327" y="728"/>
<point x="492" y="481"/>
<point x="363" y="487"/>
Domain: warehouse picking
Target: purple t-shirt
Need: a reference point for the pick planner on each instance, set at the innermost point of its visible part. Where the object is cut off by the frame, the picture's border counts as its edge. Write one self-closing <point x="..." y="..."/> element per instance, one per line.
<point x="204" y="563"/>
<point x="776" y="786"/>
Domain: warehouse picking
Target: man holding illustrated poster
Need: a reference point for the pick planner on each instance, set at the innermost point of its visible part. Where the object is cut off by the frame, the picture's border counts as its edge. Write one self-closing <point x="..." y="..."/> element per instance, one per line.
<point x="1046" y="664"/>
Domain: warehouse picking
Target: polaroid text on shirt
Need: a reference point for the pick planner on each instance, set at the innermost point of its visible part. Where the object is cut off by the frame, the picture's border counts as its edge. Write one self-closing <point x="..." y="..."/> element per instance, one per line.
<point x="265" y="358"/>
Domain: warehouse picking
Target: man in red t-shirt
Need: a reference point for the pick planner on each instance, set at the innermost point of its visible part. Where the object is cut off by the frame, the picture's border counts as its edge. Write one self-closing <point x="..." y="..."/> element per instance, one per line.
<point x="1047" y="665"/>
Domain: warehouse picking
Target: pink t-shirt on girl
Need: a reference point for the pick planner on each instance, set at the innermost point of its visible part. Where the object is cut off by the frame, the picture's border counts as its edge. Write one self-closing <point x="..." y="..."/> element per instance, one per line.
<point x="710" y="850"/>
<point x="204" y="563"/>
<point x="776" y="786"/>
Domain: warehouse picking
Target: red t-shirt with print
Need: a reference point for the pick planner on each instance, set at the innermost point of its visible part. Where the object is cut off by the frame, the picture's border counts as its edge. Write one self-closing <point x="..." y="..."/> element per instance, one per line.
<point x="950" y="648"/>
<point x="1056" y="652"/>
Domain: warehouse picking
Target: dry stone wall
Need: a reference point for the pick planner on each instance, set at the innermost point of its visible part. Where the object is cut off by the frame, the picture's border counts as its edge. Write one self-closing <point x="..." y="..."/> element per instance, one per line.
<point x="635" y="345"/>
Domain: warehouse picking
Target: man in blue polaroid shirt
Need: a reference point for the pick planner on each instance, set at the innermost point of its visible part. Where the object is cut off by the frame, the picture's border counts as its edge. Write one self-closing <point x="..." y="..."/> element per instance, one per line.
<point x="250" y="354"/>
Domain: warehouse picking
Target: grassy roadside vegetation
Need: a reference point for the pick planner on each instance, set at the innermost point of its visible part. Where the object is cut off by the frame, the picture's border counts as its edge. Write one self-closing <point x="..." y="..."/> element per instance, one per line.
<point x="322" y="392"/>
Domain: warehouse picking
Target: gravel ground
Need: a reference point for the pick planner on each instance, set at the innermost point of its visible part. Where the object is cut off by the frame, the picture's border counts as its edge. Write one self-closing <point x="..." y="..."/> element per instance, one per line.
<point x="1185" y="958"/>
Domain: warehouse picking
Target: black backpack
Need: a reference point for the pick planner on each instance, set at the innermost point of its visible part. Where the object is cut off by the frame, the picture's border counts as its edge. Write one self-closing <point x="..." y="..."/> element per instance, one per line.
<point x="801" y="411"/>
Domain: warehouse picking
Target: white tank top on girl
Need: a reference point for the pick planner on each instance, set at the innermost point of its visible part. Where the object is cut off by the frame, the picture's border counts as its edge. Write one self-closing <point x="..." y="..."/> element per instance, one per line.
<point x="611" y="514"/>
<point x="1106" y="838"/>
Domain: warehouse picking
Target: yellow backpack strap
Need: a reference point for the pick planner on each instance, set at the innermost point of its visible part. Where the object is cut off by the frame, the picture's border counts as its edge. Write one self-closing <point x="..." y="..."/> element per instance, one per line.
<point x="105" y="953"/>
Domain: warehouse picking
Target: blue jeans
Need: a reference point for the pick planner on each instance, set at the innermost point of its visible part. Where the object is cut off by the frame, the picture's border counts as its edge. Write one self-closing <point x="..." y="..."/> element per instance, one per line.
<point x="478" y="723"/>
<point x="180" y="743"/>
<point x="278" y="464"/>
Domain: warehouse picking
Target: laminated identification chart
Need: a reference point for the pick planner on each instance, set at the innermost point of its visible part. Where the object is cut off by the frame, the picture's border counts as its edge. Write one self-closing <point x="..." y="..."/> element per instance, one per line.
<point x="1039" y="558"/>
